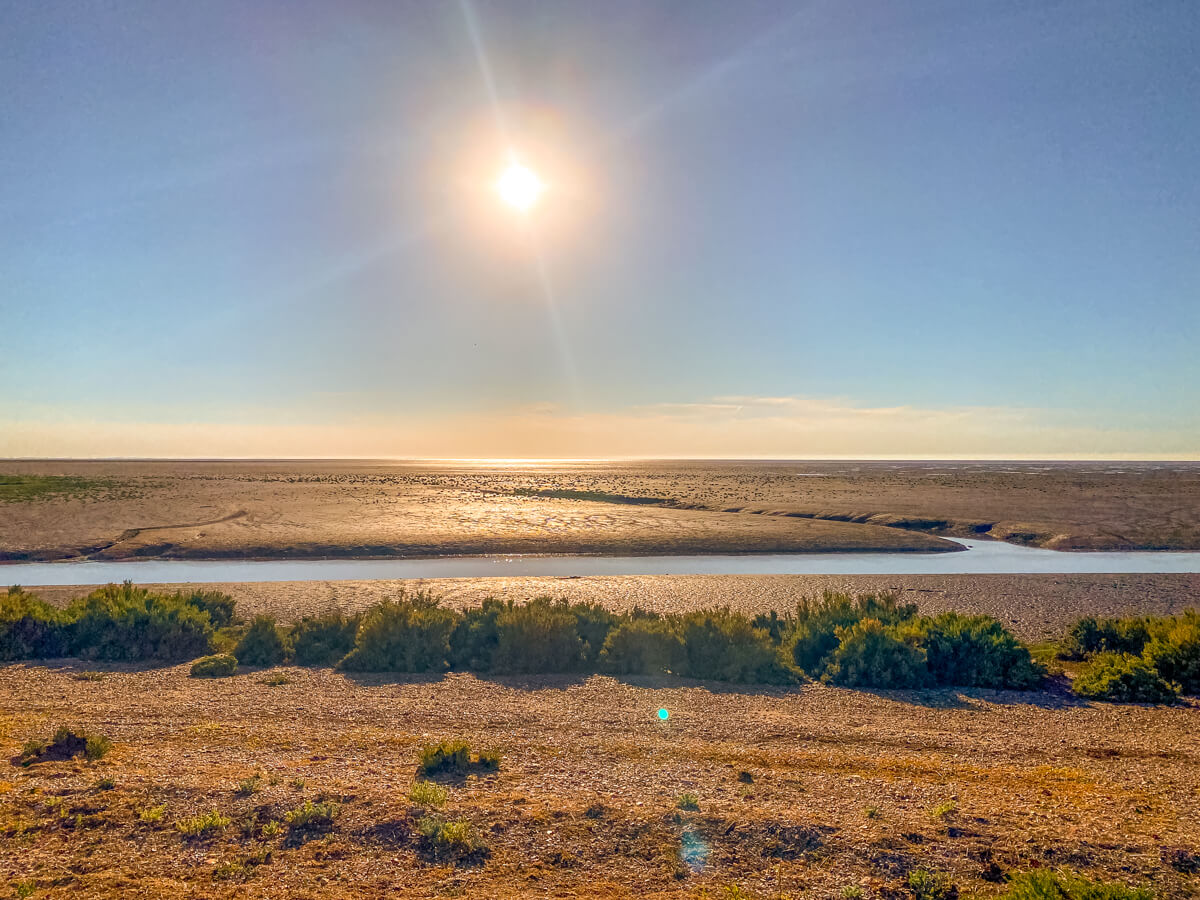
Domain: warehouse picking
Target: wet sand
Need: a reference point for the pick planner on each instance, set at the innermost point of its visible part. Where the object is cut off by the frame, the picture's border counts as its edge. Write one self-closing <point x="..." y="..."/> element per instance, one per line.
<point x="363" y="509"/>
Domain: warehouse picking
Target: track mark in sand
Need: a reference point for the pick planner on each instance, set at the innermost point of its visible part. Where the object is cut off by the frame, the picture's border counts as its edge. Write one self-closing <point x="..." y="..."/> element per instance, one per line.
<point x="130" y="533"/>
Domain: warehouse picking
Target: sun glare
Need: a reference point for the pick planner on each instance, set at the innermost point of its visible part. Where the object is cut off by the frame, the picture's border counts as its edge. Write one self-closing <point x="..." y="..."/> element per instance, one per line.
<point x="519" y="187"/>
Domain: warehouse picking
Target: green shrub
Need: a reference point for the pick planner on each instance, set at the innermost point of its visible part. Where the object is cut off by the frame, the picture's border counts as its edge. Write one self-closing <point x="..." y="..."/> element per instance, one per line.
<point x="813" y="634"/>
<point x="426" y="793"/>
<point x="220" y="665"/>
<point x="219" y="606"/>
<point x="926" y="885"/>
<point x="323" y="640"/>
<point x="870" y="654"/>
<point x="489" y="759"/>
<point x="539" y="636"/>
<point x="97" y="747"/>
<point x="642" y="647"/>
<point x="263" y="644"/>
<point x="1090" y="636"/>
<point x="454" y="841"/>
<point x="473" y="642"/>
<point x="124" y="622"/>
<point x="202" y="826"/>
<point x="593" y="624"/>
<point x="1175" y="652"/>
<point x="1047" y="884"/>
<point x="65" y="744"/>
<point x="448" y="756"/>
<point x="310" y="816"/>
<point x="722" y="645"/>
<point x="30" y="628"/>
<point x="688" y="802"/>
<point x="1123" y="678"/>
<point x="976" y="651"/>
<point x="404" y="635"/>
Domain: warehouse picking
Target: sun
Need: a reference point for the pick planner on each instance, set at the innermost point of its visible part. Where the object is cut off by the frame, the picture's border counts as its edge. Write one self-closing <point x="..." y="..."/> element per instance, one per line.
<point x="519" y="187"/>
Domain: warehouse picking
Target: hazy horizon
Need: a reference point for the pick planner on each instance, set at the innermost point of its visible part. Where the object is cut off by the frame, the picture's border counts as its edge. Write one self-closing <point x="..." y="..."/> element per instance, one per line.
<point x="913" y="230"/>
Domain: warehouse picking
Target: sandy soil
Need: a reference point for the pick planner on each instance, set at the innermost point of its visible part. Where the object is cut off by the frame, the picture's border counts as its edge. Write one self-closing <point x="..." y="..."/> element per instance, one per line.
<point x="280" y="509"/>
<point x="1035" y="606"/>
<point x="845" y="787"/>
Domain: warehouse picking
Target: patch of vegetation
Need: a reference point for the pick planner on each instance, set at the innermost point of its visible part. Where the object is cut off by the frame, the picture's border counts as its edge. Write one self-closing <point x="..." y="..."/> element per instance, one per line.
<point x="106" y="783"/>
<point x="275" y="679"/>
<point x="591" y="496"/>
<point x="23" y="889"/>
<point x="123" y="622"/>
<point x="926" y="885"/>
<point x="220" y="607"/>
<point x="1047" y="884"/>
<point x="688" y="802"/>
<point x="724" y="645"/>
<point x="1090" y="636"/>
<point x="411" y="634"/>
<point x="151" y="815"/>
<point x="447" y="756"/>
<point x="65" y="744"/>
<point x="249" y="786"/>
<point x="943" y="810"/>
<point x="426" y="793"/>
<point x="90" y="676"/>
<point x="642" y="646"/>
<point x="221" y="665"/>
<point x="975" y="651"/>
<point x="30" y="628"/>
<point x="263" y="644"/>
<point x="323" y="640"/>
<point x="298" y="784"/>
<point x="203" y="826"/>
<point x="539" y="636"/>
<point x="455" y="841"/>
<point x="310" y="816"/>
<point x="28" y="488"/>
<point x="870" y="654"/>
<point x="1123" y="678"/>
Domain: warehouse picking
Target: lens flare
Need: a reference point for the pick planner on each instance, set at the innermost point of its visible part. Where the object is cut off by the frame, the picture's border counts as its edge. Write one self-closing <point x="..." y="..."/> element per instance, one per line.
<point x="663" y="715"/>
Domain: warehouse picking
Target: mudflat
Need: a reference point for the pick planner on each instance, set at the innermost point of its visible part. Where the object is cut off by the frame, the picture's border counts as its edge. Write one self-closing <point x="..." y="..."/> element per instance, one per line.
<point x="113" y="510"/>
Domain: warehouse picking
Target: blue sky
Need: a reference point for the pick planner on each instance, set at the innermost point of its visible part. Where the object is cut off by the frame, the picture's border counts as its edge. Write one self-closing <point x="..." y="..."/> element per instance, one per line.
<point x="771" y="229"/>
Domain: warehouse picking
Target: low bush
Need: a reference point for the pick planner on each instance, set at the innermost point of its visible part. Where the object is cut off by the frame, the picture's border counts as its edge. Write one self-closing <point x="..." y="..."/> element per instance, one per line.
<point x="1124" y="678"/>
<point x="870" y="654"/>
<point x="1174" y="652"/>
<point x="220" y="607"/>
<point x="1090" y="636"/>
<point x="455" y="841"/>
<point x="593" y="624"/>
<point x="65" y="744"/>
<point x="975" y="651"/>
<point x="310" y="816"/>
<point x="642" y="646"/>
<point x="221" y="665"/>
<point x="448" y="756"/>
<point x="687" y="802"/>
<point x="1049" y="884"/>
<point x="404" y="635"/>
<point x="538" y="636"/>
<point x="811" y="637"/>
<point x="426" y="793"/>
<point x="323" y="640"/>
<point x="263" y="644"/>
<point x="926" y="885"/>
<point x="203" y="826"/>
<point x="123" y="622"/>
<point x="722" y="645"/>
<point x="30" y="628"/>
<point x="473" y="641"/>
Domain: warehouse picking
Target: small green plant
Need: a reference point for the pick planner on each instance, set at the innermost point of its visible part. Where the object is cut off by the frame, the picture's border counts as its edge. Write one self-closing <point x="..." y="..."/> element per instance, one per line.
<point x="852" y="892"/>
<point x="456" y="840"/>
<point x="447" y="756"/>
<point x="1046" y="884"/>
<point x="871" y="812"/>
<point x="24" y="889"/>
<point x="275" y="679"/>
<point x="271" y="829"/>
<point x="426" y="793"/>
<point x="249" y="786"/>
<point x="203" y="826"/>
<point x="150" y="815"/>
<point x="926" y="885"/>
<point x="689" y="802"/>
<point x="1124" y="679"/>
<point x="310" y="816"/>
<point x="263" y="644"/>
<point x="943" y="810"/>
<point x="105" y="784"/>
<point x="219" y="665"/>
<point x="489" y="759"/>
<point x="298" y="784"/>
<point x="96" y="747"/>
